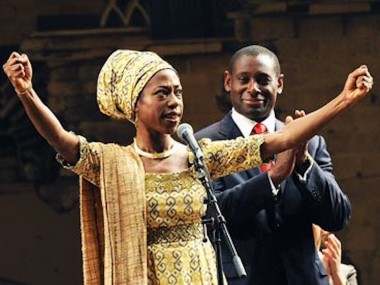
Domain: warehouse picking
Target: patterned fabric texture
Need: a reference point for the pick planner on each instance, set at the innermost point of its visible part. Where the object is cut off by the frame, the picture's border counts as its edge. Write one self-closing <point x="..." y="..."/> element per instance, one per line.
<point x="113" y="215"/>
<point x="176" y="252"/>
<point x="122" y="78"/>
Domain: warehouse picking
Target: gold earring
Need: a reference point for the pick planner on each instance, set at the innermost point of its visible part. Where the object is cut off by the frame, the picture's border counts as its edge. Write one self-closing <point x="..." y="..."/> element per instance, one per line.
<point x="136" y="120"/>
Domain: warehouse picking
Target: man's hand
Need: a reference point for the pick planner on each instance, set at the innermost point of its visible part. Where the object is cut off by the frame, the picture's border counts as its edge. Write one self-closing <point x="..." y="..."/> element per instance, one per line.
<point x="302" y="148"/>
<point x="332" y="255"/>
<point x="285" y="163"/>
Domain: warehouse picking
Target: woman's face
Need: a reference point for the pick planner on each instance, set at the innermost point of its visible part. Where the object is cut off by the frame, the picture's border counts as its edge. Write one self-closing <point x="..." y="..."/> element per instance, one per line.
<point x="160" y="105"/>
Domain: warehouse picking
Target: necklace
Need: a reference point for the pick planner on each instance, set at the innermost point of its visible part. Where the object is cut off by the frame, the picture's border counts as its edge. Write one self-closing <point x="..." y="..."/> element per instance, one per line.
<point x="153" y="155"/>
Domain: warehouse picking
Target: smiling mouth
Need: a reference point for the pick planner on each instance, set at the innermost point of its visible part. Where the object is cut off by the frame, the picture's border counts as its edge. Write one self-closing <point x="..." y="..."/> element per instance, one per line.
<point x="254" y="102"/>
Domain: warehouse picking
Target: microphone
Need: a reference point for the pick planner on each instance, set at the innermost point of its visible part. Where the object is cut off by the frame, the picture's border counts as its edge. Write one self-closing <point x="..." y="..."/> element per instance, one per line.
<point x="186" y="134"/>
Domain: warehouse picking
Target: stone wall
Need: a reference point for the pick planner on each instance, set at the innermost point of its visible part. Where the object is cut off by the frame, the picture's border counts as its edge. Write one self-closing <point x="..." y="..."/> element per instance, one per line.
<point x="20" y="18"/>
<point x="317" y="50"/>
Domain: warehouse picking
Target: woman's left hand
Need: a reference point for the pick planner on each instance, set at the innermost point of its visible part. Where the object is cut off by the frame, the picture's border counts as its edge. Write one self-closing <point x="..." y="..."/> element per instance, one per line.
<point x="358" y="84"/>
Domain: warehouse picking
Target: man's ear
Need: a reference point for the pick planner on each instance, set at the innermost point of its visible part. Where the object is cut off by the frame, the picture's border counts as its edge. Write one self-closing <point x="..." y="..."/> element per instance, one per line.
<point x="227" y="81"/>
<point x="280" y="83"/>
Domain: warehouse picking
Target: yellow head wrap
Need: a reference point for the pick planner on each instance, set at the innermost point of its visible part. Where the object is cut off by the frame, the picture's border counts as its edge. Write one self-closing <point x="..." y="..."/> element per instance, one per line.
<point x="121" y="79"/>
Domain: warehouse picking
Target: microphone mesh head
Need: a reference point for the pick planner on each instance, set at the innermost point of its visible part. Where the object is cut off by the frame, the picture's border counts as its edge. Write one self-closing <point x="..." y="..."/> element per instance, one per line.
<point x="182" y="128"/>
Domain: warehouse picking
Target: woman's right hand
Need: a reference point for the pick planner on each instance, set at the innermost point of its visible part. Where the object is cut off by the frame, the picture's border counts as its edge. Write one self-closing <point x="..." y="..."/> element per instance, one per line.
<point x="19" y="71"/>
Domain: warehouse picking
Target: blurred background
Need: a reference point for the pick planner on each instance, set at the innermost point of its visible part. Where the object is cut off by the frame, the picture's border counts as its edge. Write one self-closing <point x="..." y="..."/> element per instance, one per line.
<point x="318" y="44"/>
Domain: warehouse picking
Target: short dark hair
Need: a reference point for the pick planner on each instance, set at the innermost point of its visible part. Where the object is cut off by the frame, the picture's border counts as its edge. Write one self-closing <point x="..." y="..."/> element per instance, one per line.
<point x="255" y="50"/>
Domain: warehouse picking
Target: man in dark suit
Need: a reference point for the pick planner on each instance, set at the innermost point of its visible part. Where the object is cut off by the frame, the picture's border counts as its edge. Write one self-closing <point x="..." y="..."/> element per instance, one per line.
<point x="274" y="237"/>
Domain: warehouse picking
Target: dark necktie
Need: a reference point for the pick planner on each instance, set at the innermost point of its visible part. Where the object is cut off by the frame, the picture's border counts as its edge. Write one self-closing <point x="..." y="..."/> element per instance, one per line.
<point x="260" y="128"/>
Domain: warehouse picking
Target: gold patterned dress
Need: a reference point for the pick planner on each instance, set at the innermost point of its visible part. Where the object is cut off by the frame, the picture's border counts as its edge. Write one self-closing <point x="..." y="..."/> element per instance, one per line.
<point x="176" y="250"/>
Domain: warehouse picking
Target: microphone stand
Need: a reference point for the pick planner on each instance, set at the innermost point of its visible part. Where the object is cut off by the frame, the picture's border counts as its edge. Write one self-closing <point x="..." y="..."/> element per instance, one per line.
<point x="219" y="223"/>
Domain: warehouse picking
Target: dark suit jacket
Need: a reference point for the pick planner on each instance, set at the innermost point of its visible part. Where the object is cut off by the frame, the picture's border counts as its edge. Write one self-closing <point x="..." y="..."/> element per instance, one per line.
<point x="275" y="239"/>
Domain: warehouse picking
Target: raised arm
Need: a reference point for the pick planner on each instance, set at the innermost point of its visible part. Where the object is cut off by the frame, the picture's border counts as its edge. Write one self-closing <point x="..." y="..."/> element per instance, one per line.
<point x="19" y="71"/>
<point x="358" y="84"/>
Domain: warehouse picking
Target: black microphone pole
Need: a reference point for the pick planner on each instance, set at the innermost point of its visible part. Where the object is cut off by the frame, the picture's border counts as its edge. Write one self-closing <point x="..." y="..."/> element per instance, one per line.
<point x="185" y="132"/>
<point x="220" y="227"/>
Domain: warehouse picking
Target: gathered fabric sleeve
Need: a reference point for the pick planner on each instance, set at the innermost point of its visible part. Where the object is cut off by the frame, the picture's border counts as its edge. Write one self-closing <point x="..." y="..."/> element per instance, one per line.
<point x="227" y="156"/>
<point x="88" y="165"/>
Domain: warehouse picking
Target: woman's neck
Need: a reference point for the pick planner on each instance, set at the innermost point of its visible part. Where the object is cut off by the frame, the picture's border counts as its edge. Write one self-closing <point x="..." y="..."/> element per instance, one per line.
<point x="154" y="143"/>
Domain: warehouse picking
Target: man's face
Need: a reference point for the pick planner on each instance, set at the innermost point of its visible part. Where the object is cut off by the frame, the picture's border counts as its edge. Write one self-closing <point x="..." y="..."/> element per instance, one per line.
<point x="253" y="86"/>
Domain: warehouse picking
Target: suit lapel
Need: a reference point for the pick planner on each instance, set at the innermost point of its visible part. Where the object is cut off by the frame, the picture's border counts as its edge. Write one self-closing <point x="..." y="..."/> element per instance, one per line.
<point x="228" y="129"/>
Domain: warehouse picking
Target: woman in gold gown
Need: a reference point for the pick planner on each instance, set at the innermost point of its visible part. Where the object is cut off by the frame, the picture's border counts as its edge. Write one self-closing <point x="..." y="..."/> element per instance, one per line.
<point x="141" y="205"/>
